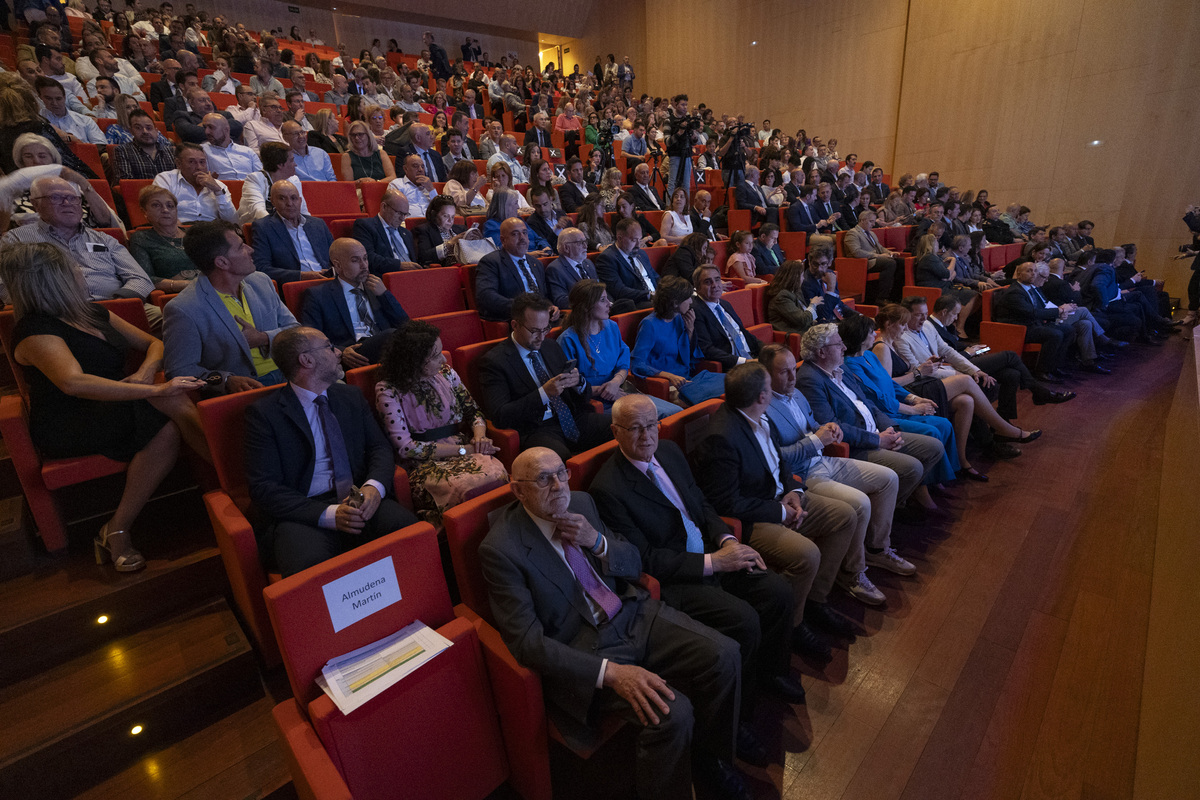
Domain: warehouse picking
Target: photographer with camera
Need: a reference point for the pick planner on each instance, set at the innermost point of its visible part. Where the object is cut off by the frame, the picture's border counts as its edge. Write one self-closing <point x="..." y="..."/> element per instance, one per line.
<point x="732" y="152"/>
<point x="682" y="133"/>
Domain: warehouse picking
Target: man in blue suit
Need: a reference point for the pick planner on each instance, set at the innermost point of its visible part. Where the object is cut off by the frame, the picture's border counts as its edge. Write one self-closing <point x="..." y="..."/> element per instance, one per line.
<point x="354" y="310"/>
<point x="571" y="267"/>
<point x="221" y="326"/>
<point x="625" y="269"/>
<point x="718" y="330"/>
<point x="505" y="273"/>
<point x="289" y="246"/>
<point x="749" y="195"/>
<point x="768" y="256"/>
<point x="388" y="243"/>
<point x="318" y="467"/>
<point x="800" y="215"/>
<point x="816" y="266"/>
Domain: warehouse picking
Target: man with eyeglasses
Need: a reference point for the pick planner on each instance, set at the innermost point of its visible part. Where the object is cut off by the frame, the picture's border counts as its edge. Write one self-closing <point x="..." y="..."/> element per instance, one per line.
<point x="571" y="267"/>
<point x="646" y="493"/>
<point x="525" y="384"/>
<point x="107" y="267"/>
<point x="388" y="242"/>
<point x="322" y="491"/>
<point x="268" y="126"/>
<point x="564" y="595"/>
<point x="509" y="271"/>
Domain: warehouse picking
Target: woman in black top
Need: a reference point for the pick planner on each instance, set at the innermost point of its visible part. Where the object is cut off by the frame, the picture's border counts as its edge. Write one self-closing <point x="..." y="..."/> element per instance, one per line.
<point x="691" y="253"/>
<point x="80" y="400"/>
<point x="439" y="229"/>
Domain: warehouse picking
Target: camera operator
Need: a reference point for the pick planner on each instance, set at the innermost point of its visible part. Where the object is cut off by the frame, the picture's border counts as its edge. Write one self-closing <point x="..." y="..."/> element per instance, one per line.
<point x="732" y="152"/>
<point x="683" y="132"/>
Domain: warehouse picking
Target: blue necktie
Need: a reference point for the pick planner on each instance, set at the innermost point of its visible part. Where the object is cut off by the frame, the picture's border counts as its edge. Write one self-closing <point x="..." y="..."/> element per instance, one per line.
<point x="343" y="477"/>
<point x="557" y="404"/>
<point x="735" y="336"/>
<point x="695" y="539"/>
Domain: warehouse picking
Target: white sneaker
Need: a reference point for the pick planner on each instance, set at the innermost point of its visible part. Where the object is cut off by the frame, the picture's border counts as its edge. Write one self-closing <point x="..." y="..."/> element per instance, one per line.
<point x="891" y="561"/>
<point x="860" y="588"/>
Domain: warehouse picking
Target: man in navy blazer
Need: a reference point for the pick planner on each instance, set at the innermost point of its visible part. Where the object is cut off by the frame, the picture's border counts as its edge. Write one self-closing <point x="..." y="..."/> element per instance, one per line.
<point x="800" y="534"/>
<point x="835" y="396"/>
<point x="625" y="269"/>
<point x="544" y="220"/>
<point x="1022" y="304"/>
<point x="878" y="189"/>
<point x="389" y="244"/>
<point x="354" y="310"/>
<point x="505" y="273"/>
<point x="800" y="215"/>
<point x="576" y="190"/>
<point x="289" y="246"/>
<point x="571" y="267"/>
<point x="513" y="395"/>
<point x="308" y="445"/>
<point x="749" y="195"/>
<point x="768" y="256"/>
<point x="719" y="332"/>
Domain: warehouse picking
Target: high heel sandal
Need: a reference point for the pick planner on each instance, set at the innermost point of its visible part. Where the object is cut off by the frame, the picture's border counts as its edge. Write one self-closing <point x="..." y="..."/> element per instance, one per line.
<point x="116" y="546"/>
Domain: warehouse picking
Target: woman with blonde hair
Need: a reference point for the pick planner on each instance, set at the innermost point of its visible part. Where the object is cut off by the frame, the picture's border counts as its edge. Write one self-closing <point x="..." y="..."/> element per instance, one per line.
<point x="364" y="162"/>
<point x="610" y="188"/>
<point x="325" y="133"/>
<point x="81" y="402"/>
<point x="19" y="113"/>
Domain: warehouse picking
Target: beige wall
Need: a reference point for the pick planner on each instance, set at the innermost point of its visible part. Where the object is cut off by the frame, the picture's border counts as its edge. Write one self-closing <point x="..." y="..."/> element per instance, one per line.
<point x="997" y="94"/>
<point x="614" y="26"/>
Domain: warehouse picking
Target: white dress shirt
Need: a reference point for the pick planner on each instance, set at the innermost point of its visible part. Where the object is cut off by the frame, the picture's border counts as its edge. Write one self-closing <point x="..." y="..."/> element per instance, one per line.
<point x="258" y="130"/>
<point x="256" y="189"/>
<point x="762" y="435"/>
<point x="232" y="162"/>
<point x="361" y="327"/>
<point x="741" y="344"/>
<point x="71" y="85"/>
<point x="197" y="206"/>
<point x="304" y="248"/>
<point x="124" y="86"/>
<point x="418" y="199"/>
<point x="322" y="479"/>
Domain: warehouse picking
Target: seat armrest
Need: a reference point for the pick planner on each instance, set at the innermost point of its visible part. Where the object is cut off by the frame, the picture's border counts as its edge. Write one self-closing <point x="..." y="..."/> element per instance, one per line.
<point x="313" y="772"/>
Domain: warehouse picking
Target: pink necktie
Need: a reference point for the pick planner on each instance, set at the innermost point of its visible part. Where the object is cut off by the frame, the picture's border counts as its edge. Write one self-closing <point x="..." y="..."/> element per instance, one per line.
<point x="595" y="588"/>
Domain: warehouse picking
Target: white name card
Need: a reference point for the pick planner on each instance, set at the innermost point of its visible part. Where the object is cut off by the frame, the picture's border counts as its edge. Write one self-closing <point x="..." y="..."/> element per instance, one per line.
<point x="361" y="593"/>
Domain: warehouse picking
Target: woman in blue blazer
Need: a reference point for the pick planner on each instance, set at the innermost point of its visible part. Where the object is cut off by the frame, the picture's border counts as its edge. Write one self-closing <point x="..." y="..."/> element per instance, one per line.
<point x="666" y="348"/>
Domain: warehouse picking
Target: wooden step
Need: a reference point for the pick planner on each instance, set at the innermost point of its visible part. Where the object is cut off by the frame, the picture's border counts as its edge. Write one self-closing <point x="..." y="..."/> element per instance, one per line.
<point x="70" y="726"/>
<point x="55" y="615"/>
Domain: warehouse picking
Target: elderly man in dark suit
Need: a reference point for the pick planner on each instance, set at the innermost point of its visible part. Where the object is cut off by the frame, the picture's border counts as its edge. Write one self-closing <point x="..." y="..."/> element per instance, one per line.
<point x="645" y="196"/>
<point x="562" y="590"/>
<point x="719" y="331"/>
<point x="354" y="310"/>
<point x="525" y="384"/>
<point x="389" y="244"/>
<point x="317" y="465"/>
<point x="749" y="196"/>
<point x="625" y="269"/>
<point x="507" y="272"/>
<point x="646" y="493"/>
<point x="740" y="469"/>
<point x="571" y="267"/>
<point x="289" y="246"/>
<point x="1022" y="304"/>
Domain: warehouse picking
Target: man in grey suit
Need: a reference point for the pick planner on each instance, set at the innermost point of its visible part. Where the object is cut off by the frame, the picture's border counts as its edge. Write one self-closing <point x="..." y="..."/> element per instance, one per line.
<point x="861" y="243"/>
<point x="562" y="591"/>
<point x="221" y="327"/>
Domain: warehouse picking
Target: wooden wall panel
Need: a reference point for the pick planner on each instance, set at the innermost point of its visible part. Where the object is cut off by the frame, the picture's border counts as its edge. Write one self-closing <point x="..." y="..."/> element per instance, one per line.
<point x="617" y="27"/>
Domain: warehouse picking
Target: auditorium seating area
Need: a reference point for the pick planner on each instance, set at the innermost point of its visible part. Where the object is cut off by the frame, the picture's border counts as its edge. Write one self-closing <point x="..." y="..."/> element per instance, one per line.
<point x="211" y="653"/>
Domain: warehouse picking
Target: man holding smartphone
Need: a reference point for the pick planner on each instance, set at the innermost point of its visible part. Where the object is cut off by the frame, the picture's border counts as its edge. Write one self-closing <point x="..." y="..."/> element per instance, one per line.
<point x="527" y="383"/>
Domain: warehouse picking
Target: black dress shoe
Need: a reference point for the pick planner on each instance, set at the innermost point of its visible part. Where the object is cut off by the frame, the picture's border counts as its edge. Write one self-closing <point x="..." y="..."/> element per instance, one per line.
<point x="1003" y="450"/>
<point x="1042" y="398"/>
<point x="788" y="689"/>
<point x="806" y="643"/>
<point x="723" y="780"/>
<point x="750" y="749"/>
<point x="828" y="620"/>
<point x="1095" y="368"/>
<point x="973" y="475"/>
<point x="1031" y="436"/>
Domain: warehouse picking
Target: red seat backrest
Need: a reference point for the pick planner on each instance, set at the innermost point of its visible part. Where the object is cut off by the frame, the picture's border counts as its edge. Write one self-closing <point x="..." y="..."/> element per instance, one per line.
<point x="585" y="465"/>
<point x="458" y="329"/>
<point x="425" y="292"/>
<point x="331" y="197"/>
<point x="654" y="218"/>
<point x="466" y="526"/>
<point x="89" y="155"/>
<point x="340" y="228"/>
<point x="373" y="193"/>
<point x="628" y="324"/>
<point x="364" y="379"/>
<point x="838" y="238"/>
<point x="685" y="428"/>
<point x="658" y="255"/>
<point x="223" y="421"/>
<point x="720" y="253"/>
<point x="742" y="301"/>
<point x="129" y="189"/>
<point x="293" y="293"/>
<point x="104" y="190"/>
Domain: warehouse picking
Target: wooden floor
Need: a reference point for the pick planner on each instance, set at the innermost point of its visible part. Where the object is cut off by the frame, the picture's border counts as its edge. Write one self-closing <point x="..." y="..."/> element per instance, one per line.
<point x="1012" y="665"/>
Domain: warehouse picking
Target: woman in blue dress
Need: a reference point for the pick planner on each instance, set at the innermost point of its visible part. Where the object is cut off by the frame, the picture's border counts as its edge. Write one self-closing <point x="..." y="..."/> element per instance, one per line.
<point x="912" y="413"/>
<point x="666" y="348"/>
<point x="595" y="342"/>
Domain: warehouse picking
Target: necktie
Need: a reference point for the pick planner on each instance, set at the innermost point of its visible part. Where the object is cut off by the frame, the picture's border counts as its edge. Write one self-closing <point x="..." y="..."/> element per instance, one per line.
<point x="596" y="589"/>
<point x="526" y="276"/>
<point x="695" y="539"/>
<point x="1040" y="297"/>
<point x="637" y="270"/>
<point x="557" y="404"/>
<point x="774" y="258"/>
<point x="735" y="336"/>
<point x="398" y="248"/>
<point x="429" y="166"/>
<point x="343" y="478"/>
<point x="364" y="311"/>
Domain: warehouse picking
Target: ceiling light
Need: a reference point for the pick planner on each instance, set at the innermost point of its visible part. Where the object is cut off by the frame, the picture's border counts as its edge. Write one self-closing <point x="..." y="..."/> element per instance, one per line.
<point x="135" y="730"/>
<point x="103" y="618"/>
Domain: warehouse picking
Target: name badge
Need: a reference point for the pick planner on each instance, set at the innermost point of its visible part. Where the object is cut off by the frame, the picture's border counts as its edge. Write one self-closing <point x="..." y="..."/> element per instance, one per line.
<point x="361" y="593"/>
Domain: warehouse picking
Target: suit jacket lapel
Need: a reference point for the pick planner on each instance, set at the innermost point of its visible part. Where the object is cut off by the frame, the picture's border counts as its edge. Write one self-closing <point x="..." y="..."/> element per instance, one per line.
<point x="343" y="306"/>
<point x="289" y="404"/>
<point x="219" y="309"/>
<point x="547" y="562"/>
<point x="740" y="420"/>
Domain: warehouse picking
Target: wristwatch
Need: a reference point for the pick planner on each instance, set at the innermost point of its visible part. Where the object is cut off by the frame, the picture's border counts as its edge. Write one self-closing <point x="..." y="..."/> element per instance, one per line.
<point x="462" y="451"/>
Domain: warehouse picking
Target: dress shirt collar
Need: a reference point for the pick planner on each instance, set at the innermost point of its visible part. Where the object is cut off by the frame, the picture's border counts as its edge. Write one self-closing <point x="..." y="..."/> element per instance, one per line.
<point x="291" y="226"/>
<point x="306" y="398"/>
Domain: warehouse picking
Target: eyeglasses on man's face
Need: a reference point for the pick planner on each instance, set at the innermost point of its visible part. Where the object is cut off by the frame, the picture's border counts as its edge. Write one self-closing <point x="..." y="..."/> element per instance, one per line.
<point x="542" y="481"/>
